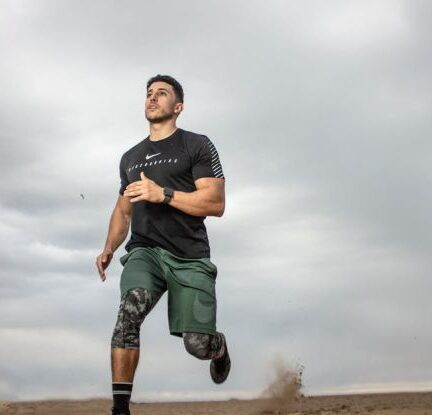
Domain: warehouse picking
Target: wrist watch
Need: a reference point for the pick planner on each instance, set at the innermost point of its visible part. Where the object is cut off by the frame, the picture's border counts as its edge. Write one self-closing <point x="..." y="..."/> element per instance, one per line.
<point x="168" y="193"/>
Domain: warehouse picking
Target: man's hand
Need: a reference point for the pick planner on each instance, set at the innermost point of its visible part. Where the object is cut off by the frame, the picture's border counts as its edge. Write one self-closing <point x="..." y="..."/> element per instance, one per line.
<point x="102" y="262"/>
<point x="144" y="189"/>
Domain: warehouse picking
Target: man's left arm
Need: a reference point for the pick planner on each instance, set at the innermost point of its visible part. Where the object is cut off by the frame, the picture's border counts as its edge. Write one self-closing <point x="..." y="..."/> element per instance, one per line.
<point x="207" y="200"/>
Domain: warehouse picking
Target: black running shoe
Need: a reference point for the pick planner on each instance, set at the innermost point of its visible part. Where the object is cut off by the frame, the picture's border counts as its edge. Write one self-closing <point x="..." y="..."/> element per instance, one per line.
<point x="115" y="411"/>
<point x="220" y="368"/>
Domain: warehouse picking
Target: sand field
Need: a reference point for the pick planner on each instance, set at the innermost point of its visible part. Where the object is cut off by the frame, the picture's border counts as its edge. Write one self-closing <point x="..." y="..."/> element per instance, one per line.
<point x="372" y="404"/>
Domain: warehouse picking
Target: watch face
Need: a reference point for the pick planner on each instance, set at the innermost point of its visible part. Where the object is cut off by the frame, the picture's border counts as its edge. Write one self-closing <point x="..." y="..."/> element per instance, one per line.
<point x="168" y="192"/>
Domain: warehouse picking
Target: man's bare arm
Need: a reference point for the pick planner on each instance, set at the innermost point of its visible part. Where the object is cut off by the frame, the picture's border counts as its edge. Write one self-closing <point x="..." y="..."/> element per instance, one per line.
<point x="117" y="233"/>
<point x="119" y="223"/>
<point x="207" y="200"/>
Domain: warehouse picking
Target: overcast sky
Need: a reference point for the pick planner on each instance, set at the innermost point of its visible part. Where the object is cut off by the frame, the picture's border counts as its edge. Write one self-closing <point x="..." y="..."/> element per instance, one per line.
<point x="321" y="113"/>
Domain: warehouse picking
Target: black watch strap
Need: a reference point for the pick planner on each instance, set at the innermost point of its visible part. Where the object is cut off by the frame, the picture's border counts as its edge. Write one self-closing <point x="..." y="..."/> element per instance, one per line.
<point x="168" y="193"/>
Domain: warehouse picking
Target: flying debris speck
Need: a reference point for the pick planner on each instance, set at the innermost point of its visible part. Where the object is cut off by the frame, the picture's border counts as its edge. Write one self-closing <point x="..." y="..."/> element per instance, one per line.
<point x="82" y="196"/>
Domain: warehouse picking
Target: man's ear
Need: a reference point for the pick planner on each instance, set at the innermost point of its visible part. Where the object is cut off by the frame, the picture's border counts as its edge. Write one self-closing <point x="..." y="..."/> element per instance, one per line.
<point x="178" y="108"/>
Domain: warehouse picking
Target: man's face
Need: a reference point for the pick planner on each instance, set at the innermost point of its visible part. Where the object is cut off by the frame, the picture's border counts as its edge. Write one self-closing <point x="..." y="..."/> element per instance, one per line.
<point x="160" y="104"/>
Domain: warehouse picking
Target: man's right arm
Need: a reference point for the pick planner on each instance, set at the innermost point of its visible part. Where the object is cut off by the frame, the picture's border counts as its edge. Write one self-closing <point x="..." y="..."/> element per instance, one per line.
<point x="117" y="233"/>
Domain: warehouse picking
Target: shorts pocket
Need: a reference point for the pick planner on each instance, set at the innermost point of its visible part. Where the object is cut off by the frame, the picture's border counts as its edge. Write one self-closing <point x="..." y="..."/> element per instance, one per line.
<point x="212" y="268"/>
<point x="125" y="258"/>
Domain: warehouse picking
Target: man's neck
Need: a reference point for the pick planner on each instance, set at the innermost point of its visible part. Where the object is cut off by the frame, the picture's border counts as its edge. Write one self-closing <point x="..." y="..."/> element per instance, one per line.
<point x="160" y="131"/>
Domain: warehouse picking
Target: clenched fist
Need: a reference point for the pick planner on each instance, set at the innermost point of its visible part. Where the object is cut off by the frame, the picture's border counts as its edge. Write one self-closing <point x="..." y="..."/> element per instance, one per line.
<point x="144" y="189"/>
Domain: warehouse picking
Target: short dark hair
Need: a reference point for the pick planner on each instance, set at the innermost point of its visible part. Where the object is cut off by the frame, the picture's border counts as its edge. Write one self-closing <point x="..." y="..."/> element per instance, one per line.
<point x="178" y="90"/>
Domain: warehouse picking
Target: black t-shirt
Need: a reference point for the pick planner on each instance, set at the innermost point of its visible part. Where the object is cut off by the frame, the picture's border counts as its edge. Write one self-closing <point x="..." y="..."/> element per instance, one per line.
<point x="175" y="162"/>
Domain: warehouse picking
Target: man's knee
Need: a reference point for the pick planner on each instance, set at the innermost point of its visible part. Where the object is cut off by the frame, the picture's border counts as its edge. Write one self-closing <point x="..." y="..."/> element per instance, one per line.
<point x="198" y="344"/>
<point x="134" y="306"/>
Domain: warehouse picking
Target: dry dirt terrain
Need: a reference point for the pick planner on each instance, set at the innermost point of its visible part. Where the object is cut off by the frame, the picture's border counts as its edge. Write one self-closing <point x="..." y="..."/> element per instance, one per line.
<point x="372" y="404"/>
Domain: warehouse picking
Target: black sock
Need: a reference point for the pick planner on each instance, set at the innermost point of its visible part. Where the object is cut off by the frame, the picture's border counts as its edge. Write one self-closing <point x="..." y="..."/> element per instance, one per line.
<point x="121" y="395"/>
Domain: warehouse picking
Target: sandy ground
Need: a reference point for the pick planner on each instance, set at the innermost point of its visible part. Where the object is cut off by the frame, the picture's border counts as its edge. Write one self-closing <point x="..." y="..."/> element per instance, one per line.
<point x="373" y="404"/>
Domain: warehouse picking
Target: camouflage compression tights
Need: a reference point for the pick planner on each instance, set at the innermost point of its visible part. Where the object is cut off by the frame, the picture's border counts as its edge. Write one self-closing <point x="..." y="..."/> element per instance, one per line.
<point x="134" y="307"/>
<point x="203" y="346"/>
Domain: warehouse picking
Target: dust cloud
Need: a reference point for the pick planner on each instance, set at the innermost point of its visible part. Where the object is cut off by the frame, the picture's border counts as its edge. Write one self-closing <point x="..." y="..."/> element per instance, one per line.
<point x="284" y="390"/>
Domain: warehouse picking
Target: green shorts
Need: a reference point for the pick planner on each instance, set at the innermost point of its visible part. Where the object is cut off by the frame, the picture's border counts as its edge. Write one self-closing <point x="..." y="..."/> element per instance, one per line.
<point x="190" y="284"/>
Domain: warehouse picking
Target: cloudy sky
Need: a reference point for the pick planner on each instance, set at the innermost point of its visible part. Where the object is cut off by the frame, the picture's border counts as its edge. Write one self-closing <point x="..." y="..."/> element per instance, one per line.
<point x="321" y="112"/>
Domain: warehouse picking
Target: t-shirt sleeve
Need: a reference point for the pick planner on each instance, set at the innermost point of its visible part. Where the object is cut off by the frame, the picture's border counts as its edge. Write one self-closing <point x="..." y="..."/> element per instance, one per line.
<point x="123" y="176"/>
<point x="205" y="160"/>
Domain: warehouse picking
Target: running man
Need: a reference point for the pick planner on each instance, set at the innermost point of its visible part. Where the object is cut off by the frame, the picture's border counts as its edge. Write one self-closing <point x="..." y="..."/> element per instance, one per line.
<point x="170" y="182"/>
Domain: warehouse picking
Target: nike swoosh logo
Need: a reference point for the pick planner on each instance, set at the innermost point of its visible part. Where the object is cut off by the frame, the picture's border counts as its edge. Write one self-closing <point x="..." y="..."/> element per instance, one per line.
<point x="148" y="157"/>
